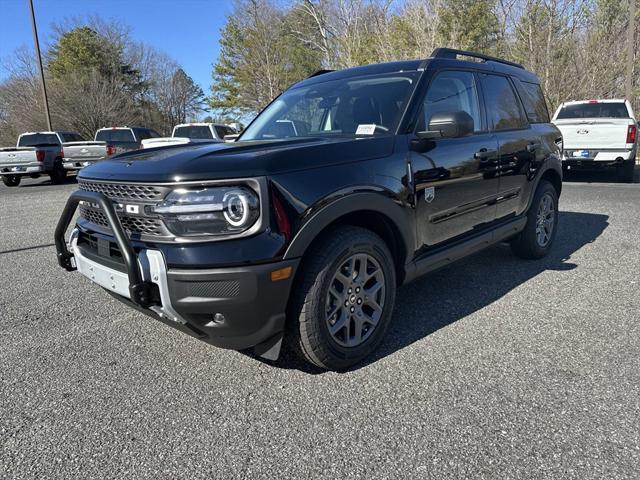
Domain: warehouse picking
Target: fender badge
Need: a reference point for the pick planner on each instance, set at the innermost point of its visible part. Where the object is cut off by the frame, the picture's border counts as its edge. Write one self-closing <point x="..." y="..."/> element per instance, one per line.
<point x="582" y="131"/>
<point x="429" y="194"/>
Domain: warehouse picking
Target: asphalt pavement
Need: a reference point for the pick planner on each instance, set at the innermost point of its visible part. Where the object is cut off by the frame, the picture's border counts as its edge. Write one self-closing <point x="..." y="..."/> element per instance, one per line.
<point x="494" y="367"/>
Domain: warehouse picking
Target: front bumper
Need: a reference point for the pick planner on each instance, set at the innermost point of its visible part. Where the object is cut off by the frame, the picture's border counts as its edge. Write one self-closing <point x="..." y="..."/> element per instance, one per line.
<point x="235" y="307"/>
<point x="22" y="169"/>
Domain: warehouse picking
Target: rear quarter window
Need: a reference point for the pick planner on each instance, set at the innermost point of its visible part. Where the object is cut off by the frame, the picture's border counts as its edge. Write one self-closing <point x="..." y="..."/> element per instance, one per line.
<point x="72" y="137"/>
<point x="193" y="132"/>
<point x="534" y="102"/>
<point x="118" y="135"/>
<point x="35" y="139"/>
<point x="594" y="110"/>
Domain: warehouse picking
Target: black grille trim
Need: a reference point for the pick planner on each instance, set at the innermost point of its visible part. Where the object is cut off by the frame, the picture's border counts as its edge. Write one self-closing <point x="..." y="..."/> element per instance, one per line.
<point x="137" y="225"/>
<point x="122" y="191"/>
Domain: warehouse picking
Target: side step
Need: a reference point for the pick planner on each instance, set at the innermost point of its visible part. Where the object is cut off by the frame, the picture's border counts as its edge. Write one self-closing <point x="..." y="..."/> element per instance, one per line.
<point x="441" y="258"/>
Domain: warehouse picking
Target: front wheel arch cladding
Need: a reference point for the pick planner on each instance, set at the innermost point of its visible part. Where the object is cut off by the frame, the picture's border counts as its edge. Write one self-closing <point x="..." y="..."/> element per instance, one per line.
<point x="398" y="215"/>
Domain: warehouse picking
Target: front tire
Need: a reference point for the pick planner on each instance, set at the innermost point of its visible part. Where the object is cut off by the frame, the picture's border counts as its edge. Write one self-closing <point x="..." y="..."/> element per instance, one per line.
<point x="11" y="180"/>
<point x="538" y="235"/>
<point x="341" y="306"/>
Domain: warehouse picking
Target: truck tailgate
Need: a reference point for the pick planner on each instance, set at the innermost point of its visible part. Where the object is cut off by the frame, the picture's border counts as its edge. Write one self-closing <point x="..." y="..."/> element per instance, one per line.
<point x="78" y="151"/>
<point x="596" y="134"/>
<point x="17" y="156"/>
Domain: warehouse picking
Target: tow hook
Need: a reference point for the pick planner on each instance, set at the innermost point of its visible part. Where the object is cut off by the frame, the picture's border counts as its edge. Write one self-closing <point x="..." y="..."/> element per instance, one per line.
<point x="65" y="261"/>
<point x="142" y="294"/>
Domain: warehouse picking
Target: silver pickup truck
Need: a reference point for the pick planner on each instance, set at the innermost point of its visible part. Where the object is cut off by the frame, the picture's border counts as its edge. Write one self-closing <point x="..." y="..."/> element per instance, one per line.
<point x="35" y="154"/>
<point x="107" y="142"/>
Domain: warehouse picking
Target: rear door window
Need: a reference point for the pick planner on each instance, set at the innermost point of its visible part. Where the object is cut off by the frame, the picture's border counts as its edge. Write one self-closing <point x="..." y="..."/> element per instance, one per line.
<point x="115" y="135"/>
<point x="35" y="139"/>
<point x="503" y="107"/>
<point x="594" y="110"/>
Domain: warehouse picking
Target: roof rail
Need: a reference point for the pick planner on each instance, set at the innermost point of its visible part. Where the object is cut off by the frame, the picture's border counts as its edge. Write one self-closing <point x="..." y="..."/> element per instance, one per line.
<point x="453" y="53"/>
<point x="320" y="72"/>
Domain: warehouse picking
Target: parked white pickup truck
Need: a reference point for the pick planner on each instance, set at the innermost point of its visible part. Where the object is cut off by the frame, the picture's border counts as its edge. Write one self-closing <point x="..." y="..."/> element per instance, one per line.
<point x="108" y="141"/>
<point x="598" y="134"/>
<point x="35" y="153"/>
<point x="191" y="133"/>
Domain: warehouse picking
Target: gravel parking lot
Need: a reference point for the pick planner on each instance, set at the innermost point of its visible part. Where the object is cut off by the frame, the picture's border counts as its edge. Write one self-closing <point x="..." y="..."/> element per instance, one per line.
<point x="494" y="368"/>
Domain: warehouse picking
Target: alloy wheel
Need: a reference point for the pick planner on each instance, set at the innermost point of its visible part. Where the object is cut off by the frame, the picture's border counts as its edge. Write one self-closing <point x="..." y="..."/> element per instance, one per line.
<point x="545" y="220"/>
<point x="355" y="300"/>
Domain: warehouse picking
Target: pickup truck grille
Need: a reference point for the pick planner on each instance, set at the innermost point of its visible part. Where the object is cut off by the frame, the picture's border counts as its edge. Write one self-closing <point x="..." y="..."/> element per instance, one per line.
<point x="140" y="226"/>
<point x="117" y="191"/>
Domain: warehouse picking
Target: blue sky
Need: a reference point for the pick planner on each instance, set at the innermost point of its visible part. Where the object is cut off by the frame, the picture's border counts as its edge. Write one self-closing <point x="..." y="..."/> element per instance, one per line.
<point x="187" y="30"/>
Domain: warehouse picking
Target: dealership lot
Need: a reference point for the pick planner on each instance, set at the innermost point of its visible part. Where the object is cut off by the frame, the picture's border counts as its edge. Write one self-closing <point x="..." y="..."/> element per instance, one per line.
<point x="496" y="367"/>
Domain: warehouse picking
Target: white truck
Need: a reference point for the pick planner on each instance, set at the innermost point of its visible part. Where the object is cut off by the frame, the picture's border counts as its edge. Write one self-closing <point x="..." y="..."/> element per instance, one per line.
<point x="192" y="133"/>
<point x="108" y="141"/>
<point x="35" y="153"/>
<point x="598" y="134"/>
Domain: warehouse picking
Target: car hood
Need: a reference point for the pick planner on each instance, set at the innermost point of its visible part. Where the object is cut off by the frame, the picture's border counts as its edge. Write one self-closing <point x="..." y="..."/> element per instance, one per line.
<point x="195" y="162"/>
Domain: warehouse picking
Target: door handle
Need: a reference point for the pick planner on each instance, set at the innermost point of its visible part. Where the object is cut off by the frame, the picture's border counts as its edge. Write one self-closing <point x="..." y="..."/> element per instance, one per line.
<point x="532" y="147"/>
<point x="484" y="153"/>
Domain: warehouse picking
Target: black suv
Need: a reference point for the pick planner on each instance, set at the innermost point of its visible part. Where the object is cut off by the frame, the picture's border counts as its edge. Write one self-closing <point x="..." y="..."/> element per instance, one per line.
<point x="346" y="186"/>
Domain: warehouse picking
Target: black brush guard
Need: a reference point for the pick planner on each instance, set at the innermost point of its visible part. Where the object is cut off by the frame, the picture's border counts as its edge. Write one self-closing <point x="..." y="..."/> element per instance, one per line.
<point x="141" y="292"/>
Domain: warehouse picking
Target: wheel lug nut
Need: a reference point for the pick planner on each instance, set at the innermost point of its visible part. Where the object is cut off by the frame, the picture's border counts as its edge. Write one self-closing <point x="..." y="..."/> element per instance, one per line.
<point x="349" y="291"/>
<point x="358" y="290"/>
<point x="359" y="301"/>
<point x="346" y="303"/>
<point x="352" y="309"/>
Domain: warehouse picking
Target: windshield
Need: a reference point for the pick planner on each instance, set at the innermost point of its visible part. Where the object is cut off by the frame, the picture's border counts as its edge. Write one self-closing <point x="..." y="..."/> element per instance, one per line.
<point x="115" y="135"/>
<point x="351" y="106"/>
<point x="193" y="131"/>
<point x="594" y="110"/>
<point x="36" y="139"/>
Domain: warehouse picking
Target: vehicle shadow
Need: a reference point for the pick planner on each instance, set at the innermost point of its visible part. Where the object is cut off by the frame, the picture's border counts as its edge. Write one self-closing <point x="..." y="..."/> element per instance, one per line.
<point x="45" y="181"/>
<point x="604" y="176"/>
<point x="452" y="293"/>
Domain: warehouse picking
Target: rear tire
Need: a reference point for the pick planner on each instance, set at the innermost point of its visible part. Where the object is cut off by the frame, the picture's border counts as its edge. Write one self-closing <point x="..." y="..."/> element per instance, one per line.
<point x="11" y="180"/>
<point x="537" y="238"/>
<point x="58" y="174"/>
<point x="342" y="302"/>
<point x="626" y="172"/>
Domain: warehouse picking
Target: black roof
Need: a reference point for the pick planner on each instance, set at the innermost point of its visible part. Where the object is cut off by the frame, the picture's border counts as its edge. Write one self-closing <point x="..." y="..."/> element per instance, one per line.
<point x="441" y="58"/>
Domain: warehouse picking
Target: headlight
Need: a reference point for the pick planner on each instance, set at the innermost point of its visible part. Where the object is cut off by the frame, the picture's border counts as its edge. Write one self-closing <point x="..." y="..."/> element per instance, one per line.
<point x="209" y="211"/>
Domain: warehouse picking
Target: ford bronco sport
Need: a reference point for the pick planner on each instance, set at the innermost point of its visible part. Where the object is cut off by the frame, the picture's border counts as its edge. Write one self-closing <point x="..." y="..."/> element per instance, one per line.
<point x="346" y="186"/>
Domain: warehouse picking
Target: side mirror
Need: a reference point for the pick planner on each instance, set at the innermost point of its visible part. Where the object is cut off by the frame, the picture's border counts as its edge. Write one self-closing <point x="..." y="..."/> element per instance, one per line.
<point x="449" y="125"/>
<point x="231" y="138"/>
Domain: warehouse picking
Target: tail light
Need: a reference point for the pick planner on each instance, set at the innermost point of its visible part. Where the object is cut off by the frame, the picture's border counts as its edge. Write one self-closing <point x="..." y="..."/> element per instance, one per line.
<point x="632" y="133"/>
<point x="111" y="150"/>
<point x="40" y="155"/>
<point x="61" y="152"/>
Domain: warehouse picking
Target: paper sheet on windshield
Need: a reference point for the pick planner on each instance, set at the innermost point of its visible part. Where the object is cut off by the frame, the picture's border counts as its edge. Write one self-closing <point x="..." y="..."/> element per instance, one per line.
<point x="366" y="129"/>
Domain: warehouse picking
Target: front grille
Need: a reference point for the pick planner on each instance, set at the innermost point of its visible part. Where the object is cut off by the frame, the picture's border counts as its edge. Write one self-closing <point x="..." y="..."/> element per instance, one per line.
<point x="138" y="225"/>
<point x="116" y="191"/>
<point x="127" y="194"/>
